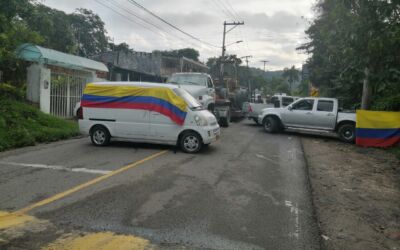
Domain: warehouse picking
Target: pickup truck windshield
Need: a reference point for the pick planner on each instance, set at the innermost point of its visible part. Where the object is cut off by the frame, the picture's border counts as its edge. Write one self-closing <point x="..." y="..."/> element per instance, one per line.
<point x="188" y="79"/>
<point x="190" y="100"/>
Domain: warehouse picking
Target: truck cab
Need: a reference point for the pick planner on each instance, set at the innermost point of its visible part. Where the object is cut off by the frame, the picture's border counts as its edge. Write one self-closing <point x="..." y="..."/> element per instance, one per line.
<point x="199" y="85"/>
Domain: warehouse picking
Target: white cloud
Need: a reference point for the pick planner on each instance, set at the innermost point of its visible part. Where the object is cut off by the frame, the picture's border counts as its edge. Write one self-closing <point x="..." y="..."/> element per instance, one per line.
<point x="272" y="30"/>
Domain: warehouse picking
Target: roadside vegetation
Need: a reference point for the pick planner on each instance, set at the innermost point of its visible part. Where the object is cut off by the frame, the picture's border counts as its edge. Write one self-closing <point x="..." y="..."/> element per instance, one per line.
<point x="22" y="124"/>
<point x="355" y="41"/>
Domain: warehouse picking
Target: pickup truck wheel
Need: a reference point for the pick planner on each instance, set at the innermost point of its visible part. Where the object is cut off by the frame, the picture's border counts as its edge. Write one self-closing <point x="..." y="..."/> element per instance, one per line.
<point x="190" y="142"/>
<point x="271" y="125"/>
<point x="347" y="132"/>
<point x="100" y="136"/>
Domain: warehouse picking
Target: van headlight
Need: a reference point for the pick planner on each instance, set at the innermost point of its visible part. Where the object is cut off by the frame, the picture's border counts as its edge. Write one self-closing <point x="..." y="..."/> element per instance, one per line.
<point x="200" y="121"/>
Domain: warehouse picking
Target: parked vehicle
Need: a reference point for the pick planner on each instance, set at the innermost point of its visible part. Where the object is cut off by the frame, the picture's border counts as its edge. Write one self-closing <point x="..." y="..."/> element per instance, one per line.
<point x="201" y="87"/>
<point x="145" y="112"/>
<point x="253" y="110"/>
<point x="281" y="101"/>
<point x="310" y="115"/>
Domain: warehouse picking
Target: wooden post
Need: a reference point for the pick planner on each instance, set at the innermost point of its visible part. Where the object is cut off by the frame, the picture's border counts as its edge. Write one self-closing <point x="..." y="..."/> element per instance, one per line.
<point x="365" y="102"/>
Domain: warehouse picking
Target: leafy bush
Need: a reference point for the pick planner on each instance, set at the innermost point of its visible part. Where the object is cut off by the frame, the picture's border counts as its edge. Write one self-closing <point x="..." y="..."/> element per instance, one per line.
<point x="11" y="92"/>
<point x="23" y="125"/>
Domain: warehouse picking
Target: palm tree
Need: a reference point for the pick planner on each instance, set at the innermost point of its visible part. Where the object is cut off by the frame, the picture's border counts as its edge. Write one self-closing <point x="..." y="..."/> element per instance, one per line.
<point x="292" y="75"/>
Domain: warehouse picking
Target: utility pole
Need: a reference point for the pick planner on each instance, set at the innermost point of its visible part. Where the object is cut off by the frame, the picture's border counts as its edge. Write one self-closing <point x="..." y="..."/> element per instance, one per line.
<point x="365" y="102"/>
<point x="264" y="61"/>
<point x="221" y="71"/>
<point x="248" y="74"/>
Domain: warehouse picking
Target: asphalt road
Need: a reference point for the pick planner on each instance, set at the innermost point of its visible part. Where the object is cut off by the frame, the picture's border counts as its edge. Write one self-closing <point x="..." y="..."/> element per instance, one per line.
<point x="249" y="190"/>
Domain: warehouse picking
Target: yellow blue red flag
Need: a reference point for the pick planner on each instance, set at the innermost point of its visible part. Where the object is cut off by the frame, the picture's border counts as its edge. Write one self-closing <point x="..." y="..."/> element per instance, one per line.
<point x="377" y="128"/>
<point x="158" y="99"/>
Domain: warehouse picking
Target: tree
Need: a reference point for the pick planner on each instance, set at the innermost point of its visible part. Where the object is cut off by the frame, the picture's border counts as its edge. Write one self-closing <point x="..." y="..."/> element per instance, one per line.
<point x="187" y="52"/>
<point x="124" y="47"/>
<point x="89" y="31"/>
<point x="53" y="25"/>
<point x="13" y="32"/>
<point x="349" y="38"/>
<point x="292" y="75"/>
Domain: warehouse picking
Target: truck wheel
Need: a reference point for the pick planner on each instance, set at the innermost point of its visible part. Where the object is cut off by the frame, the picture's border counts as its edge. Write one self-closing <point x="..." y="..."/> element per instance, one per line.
<point x="190" y="142"/>
<point x="100" y="136"/>
<point x="224" y="121"/>
<point x="347" y="132"/>
<point x="271" y="125"/>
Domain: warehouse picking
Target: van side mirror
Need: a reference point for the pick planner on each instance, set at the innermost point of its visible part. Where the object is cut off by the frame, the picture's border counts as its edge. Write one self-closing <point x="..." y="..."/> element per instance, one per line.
<point x="290" y="108"/>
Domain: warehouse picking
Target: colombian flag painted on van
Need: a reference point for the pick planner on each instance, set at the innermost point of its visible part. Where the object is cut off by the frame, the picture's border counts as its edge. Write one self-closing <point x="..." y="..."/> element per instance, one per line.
<point x="377" y="129"/>
<point x="157" y="99"/>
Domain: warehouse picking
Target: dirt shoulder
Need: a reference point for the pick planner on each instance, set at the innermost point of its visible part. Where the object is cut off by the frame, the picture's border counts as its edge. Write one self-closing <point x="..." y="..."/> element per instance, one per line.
<point x="356" y="193"/>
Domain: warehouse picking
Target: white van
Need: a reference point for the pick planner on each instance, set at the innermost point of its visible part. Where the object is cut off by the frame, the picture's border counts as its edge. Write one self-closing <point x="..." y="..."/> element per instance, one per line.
<point x="145" y="112"/>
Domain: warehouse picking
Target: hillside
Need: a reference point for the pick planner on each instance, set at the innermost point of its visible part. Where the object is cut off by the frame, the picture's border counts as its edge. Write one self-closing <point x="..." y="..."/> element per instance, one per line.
<point x="22" y="124"/>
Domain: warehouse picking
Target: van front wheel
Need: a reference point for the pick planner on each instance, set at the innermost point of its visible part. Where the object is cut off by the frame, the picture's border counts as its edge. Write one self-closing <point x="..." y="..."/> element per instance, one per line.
<point x="190" y="142"/>
<point x="100" y="136"/>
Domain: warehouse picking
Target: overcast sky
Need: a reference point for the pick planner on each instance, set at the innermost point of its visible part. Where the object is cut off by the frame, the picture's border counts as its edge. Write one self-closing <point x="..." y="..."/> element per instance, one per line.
<point x="272" y="30"/>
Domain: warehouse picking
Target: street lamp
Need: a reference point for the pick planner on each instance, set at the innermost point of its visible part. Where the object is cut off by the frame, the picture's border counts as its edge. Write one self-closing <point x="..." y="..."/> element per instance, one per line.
<point x="240" y="41"/>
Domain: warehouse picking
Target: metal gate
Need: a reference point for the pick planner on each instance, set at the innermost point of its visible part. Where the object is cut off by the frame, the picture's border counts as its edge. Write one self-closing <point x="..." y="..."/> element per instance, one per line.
<point x="66" y="90"/>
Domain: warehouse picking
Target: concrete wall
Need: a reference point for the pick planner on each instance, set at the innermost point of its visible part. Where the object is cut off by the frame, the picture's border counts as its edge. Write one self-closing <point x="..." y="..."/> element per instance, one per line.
<point x="33" y="81"/>
<point x="45" y="86"/>
<point x="147" y="63"/>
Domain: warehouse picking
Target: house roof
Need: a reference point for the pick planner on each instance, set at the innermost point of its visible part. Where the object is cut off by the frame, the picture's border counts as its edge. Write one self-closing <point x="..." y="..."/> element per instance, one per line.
<point x="35" y="53"/>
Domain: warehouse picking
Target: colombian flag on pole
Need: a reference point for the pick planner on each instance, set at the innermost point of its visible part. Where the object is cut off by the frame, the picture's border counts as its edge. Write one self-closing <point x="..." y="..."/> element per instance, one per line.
<point x="377" y="129"/>
<point x="158" y="99"/>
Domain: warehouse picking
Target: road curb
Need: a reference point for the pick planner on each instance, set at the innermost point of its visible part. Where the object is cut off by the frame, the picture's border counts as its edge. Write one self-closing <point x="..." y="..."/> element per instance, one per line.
<point x="311" y="190"/>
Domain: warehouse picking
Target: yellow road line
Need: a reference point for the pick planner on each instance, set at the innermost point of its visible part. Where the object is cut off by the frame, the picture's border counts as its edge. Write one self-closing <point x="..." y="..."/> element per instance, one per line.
<point x="87" y="184"/>
<point x="99" y="241"/>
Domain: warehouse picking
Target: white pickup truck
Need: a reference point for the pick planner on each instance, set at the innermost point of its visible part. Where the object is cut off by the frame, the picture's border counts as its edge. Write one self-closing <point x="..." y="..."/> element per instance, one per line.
<point x="253" y="110"/>
<point x="310" y="115"/>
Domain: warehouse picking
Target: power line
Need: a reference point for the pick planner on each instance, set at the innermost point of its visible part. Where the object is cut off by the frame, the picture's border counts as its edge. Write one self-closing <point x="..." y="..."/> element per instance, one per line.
<point x="135" y="15"/>
<point x="225" y="10"/>
<point x="169" y="24"/>
<point x="126" y="17"/>
<point x="225" y="6"/>
<point x="162" y="31"/>
<point x="232" y="9"/>
<point x="148" y="22"/>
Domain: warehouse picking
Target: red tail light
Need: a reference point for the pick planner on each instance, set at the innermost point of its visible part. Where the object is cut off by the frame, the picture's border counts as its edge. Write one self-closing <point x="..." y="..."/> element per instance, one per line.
<point x="250" y="109"/>
<point x="79" y="113"/>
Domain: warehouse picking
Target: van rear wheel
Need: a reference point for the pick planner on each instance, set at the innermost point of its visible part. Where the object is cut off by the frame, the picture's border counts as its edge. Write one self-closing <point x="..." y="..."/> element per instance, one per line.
<point x="100" y="136"/>
<point x="190" y="142"/>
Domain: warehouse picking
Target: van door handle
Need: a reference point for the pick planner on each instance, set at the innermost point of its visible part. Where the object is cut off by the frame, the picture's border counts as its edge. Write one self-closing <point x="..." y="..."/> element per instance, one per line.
<point x="308" y="113"/>
<point x="155" y="113"/>
<point x="330" y="114"/>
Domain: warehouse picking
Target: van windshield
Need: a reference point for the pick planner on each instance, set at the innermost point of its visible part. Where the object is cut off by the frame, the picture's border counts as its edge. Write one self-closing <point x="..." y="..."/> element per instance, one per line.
<point x="190" y="100"/>
<point x="188" y="79"/>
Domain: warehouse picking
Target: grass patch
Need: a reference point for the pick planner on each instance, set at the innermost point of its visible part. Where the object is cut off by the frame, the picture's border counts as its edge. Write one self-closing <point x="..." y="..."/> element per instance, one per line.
<point x="22" y="124"/>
